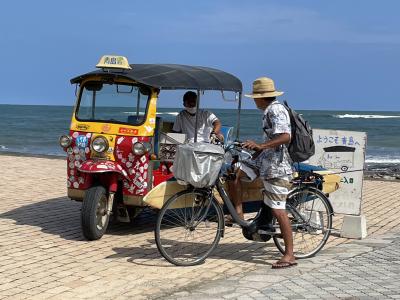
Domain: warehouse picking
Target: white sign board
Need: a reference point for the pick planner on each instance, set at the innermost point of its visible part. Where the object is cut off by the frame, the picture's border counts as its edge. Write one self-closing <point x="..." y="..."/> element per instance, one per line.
<point x="342" y="152"/>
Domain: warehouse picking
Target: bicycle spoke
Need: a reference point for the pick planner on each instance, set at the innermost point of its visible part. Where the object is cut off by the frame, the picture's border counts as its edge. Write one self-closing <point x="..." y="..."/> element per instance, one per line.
<point x="311" y="222"/>
<point x="199" y="235"/>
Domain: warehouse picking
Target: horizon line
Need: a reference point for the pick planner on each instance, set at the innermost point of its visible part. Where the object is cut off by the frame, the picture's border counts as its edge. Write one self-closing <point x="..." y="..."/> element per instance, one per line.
<point x="344" y="110"/>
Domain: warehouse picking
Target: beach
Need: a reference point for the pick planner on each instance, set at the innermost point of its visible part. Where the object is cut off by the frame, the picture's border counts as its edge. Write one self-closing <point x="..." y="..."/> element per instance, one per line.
<point x="45" y="255"/>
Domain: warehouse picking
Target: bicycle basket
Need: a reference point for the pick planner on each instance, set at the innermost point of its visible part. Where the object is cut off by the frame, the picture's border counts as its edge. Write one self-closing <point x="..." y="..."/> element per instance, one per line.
<point x="198" y="164"/>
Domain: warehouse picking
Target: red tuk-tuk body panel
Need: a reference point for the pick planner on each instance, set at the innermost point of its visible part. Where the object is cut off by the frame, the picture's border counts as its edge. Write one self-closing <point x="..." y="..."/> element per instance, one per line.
<point x="132" y="168"/>
<point x="103" y="166"/>
<point x="135" y="166"/>
<point x="78" y="152"/>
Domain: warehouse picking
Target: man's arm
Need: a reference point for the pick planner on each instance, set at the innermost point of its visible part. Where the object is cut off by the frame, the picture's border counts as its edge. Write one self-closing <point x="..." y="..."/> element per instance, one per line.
<point x="216" y="124"/>
<point x="280" y="139"/>
<point x="177" y="124"/>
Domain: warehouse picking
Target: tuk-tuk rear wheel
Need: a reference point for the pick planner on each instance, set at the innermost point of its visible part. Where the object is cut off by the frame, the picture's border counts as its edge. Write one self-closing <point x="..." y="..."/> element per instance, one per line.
<point x="94" y="217"/>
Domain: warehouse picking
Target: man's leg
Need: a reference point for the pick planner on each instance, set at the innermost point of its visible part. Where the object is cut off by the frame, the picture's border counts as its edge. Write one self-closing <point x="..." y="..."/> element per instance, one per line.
<point x="235" y="192"/>
<point x="276" y="191"/>
<point x="286" y="231"/>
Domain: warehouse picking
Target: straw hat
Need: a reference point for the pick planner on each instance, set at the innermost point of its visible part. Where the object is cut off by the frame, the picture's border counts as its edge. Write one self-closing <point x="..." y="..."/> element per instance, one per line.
<point x="264" y="87"/>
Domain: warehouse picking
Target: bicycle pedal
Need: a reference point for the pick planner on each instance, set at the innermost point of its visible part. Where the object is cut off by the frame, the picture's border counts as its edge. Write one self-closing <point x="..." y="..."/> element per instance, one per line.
<point x="266" y="232"/>
<point x="233" y="225"/>
<point x="271" y="233"/>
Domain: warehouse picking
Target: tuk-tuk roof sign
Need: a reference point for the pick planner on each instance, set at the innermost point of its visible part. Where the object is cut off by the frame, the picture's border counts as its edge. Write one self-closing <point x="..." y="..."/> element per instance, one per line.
<point x="114" y="62"/>
<point x="172" y="76"/>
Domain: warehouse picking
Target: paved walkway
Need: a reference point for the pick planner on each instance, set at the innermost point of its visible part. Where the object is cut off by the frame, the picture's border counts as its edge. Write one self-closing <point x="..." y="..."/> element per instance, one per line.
<point x="43" y="254"/>
<point x="371" y="272"/>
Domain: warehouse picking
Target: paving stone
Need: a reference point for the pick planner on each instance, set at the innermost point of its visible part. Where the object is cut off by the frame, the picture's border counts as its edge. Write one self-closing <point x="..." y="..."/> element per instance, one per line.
<point x="45" y="255"/>
<point x="356" y="276"/>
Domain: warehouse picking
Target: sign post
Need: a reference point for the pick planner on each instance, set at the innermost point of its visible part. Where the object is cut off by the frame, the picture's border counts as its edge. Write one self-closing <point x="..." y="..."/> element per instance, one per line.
<point x="343" y="152"/>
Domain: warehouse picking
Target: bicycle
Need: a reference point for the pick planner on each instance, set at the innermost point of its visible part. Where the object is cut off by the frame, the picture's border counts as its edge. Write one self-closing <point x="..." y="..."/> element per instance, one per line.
<point x="191" y="223"/>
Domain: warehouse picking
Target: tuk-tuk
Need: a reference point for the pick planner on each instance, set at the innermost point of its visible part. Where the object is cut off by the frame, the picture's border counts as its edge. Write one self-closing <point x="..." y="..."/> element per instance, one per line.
<point x="118" y="148"/>
<point x="120" y="152"/>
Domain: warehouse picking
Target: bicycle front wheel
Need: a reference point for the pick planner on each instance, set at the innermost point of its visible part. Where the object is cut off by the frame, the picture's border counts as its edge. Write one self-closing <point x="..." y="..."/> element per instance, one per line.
<point x="310" y="214"/>
<point x="189" y="227"/>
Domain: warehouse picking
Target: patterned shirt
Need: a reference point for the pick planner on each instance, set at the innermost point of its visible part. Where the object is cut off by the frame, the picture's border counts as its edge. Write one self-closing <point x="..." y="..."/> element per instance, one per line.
<point x="274" y="163"/>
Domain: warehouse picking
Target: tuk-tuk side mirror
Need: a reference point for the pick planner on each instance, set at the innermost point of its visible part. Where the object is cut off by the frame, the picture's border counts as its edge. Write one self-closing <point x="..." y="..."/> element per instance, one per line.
<point x="144" y="90"/>
<point x="94" y="86"/>
<point x="124" y="89"/>
<point x="236" y="97"/>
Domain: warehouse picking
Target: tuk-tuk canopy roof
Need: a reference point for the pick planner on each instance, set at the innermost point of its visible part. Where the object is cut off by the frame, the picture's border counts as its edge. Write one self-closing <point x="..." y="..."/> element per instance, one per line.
<point x="171" y="77"/>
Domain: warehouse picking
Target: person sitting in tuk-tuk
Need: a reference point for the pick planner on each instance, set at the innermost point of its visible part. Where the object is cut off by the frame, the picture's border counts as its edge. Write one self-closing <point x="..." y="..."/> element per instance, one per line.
<point x="185" y="122"/>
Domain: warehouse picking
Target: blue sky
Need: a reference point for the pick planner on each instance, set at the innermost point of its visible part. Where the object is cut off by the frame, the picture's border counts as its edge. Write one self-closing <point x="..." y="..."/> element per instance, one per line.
<point x="339" y="54"/>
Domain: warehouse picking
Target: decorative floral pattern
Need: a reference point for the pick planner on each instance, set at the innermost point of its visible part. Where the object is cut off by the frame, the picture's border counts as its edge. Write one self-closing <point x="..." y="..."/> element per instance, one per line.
<point x="132" y="168"/>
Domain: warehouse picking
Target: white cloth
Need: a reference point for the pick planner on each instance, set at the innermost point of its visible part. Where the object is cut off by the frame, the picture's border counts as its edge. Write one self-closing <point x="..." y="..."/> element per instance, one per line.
<point x="276" y="193"/>
<point x="185" y="123"/>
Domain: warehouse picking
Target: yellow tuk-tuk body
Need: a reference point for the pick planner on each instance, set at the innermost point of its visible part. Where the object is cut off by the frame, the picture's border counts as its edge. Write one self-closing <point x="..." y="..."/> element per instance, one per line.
<point x="135" y="170"/>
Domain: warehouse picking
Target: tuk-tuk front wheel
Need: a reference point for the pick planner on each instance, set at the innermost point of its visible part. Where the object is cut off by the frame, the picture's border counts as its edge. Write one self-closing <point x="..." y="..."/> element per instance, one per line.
<point x="94" y="217"/>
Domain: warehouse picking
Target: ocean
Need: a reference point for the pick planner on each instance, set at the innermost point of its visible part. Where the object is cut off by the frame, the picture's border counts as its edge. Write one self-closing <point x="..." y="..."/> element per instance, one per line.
<point x="34" y="129"/>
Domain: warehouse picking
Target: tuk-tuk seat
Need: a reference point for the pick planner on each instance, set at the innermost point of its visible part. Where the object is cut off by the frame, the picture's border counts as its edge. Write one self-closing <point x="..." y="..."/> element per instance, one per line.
<point x="134" y="120"/>
<point x="167" y="126"/>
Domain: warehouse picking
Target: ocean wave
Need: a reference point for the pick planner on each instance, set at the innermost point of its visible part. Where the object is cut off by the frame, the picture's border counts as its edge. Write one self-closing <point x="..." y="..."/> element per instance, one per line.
<point x="2" y="147"/>
<point x="172" y="113"/>
<point x="351" y="116"/>
<point x="133" y="113"/>
<point x="382" y="160"/>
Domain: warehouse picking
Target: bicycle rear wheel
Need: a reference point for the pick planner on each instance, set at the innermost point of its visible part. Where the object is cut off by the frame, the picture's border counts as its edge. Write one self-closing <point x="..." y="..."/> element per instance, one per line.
<point x="189" y="227"/>
<point x="310" y="214"/>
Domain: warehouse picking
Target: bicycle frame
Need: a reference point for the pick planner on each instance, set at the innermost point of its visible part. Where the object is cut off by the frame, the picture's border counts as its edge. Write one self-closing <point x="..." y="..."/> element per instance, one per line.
<point x="249" y="224"/>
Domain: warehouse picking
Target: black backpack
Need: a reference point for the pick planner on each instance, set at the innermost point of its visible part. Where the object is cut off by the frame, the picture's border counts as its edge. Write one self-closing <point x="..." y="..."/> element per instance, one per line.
<point x="301" y="145"/>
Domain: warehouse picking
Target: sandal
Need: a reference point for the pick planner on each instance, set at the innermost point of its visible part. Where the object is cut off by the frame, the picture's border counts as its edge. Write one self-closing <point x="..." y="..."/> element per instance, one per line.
<point x="283" y="264"/>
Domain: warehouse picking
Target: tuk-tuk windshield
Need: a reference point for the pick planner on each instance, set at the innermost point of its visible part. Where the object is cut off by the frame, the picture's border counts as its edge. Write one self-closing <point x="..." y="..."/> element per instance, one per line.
<point x="112" y="102"/>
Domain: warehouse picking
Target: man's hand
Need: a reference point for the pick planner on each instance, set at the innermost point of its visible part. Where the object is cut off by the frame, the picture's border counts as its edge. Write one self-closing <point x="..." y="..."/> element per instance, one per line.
<point x="216" y="138"/>
<point x="220" y="136"/>
<point x="251" y="145"/>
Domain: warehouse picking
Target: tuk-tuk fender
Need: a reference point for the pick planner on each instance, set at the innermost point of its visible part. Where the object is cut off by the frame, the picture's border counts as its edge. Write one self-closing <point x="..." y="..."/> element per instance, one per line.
<point x="106" y="166"/>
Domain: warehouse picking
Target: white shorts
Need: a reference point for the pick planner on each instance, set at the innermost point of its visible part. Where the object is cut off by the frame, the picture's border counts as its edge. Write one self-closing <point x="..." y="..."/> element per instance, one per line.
<point x="275" y="189"/>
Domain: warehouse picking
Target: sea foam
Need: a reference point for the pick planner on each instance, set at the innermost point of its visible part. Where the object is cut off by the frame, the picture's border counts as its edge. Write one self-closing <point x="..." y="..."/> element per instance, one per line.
<point x="172" y="113"/>
<point x="351" y="116"/>
<point x="382" y="160"/>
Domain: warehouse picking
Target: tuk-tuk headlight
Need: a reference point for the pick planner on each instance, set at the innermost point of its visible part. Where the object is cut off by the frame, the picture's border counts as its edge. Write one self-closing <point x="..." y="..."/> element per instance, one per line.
<point x="140" y="148"/>
<point x="99" y="144"/>
<point x="65" y="141"/>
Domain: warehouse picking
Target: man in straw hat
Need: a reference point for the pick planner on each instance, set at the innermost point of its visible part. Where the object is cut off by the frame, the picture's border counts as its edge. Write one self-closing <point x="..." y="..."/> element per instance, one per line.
<point x="273" y="164"/>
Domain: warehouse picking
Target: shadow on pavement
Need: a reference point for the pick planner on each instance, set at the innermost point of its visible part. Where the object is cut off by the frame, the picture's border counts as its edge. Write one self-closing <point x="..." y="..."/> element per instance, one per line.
<point x="250" y="252"/>
<point x="61" y="216"/>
